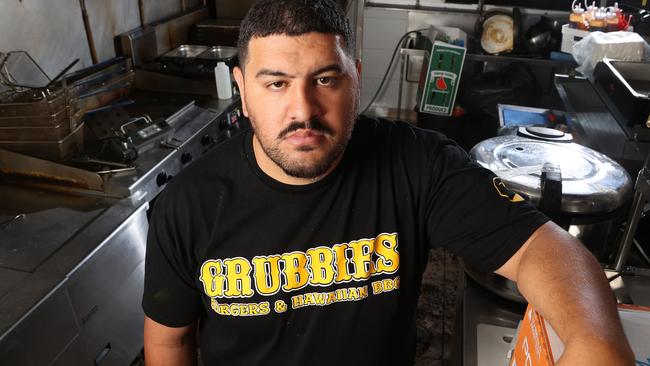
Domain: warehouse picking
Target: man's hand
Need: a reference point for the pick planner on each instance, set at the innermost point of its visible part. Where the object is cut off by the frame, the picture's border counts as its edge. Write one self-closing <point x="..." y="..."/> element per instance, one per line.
<point x="169" y="346"/>
<point x="567" y="286"/>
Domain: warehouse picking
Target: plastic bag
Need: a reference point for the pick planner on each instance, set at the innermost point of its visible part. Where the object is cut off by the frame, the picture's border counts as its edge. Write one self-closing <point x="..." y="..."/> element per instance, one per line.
<point x="625" y="46"/>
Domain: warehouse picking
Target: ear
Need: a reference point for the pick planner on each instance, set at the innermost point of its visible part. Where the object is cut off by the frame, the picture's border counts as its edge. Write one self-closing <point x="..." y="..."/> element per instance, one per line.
<point x="239" y="78"/>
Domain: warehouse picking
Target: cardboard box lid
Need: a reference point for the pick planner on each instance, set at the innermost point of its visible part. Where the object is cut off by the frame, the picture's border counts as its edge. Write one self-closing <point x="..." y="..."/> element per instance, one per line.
<point x="537" y="344"/>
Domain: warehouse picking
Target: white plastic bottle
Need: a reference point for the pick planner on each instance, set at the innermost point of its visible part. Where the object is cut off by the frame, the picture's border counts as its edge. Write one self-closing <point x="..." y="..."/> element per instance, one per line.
<point x="224" y="84"/>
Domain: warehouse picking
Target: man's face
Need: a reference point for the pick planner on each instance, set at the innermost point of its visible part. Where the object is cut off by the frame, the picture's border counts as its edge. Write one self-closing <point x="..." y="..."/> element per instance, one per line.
<point x="301" y="95"/>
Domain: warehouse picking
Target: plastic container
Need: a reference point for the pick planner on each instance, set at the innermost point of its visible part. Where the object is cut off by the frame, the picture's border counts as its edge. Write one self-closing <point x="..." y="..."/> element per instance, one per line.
<point x="599" y="21"/>
<point x="570" y="36"/>
<point x="625" y="46"/>
<point x="612" y="21"/>
<point x="590" y="13"/>
<point x="222" y="78"/>
<point x="577" y="17"/>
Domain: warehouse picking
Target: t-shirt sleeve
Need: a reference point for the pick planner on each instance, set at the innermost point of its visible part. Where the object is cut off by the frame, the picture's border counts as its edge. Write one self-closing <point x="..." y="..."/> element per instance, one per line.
<point x="169" y="295"/>
<point x="471" y="213"/>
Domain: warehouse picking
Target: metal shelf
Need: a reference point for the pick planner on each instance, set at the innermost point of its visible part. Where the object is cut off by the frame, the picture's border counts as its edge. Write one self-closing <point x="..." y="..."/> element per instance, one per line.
<point x="529" y="60"/>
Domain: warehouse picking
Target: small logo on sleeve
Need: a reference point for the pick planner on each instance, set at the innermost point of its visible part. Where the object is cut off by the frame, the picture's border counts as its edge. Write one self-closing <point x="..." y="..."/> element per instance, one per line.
<point x="503" y="191"/>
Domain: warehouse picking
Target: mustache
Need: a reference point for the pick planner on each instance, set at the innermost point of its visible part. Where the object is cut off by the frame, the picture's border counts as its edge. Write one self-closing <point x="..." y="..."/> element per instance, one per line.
<point x="313" y="124"/>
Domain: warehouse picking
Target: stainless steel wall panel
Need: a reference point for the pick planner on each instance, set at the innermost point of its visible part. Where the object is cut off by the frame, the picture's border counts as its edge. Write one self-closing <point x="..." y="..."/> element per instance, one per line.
<point x="96" y="280"/>
<point x="93" y="307"/>
<point x="22" y="249"/>
<point x="49" y="329"/>
<point x="173" y="33"/>
<point x="191" y="4"/>
<point x="76" y="353"/>
<point x="9" y="278"/>
<point x="51" y="31"/>
<point x="109" y="18"/>
<point x="120" y="324"/>
<point x="233" y="9"/>
<point x="28" y="292"/>
<point x="114" y="334"/>
<point x="155" y="10"/>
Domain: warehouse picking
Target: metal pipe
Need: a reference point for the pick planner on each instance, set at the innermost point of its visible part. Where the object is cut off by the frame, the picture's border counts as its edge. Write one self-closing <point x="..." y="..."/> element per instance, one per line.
<point x="358" y="25"/>
<point x="642" y="188"/>
<point x="401" y="84"/>
<point x="628" y="237"/>
<point x="89" y="33"/>
<point x="141" y="12"/>
<point x="449" y="8"/>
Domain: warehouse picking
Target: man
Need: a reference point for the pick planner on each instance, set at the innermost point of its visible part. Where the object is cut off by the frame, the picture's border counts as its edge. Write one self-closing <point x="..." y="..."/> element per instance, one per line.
<point x="304" y="241"/>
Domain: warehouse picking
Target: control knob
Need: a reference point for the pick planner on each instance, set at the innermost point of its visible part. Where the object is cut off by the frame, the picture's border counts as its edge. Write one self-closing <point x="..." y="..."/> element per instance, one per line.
<point x="223" y="124"/>
<point x="207" y="140"/>
<point x="163" y="178"/>
<point x="186" y="158"/>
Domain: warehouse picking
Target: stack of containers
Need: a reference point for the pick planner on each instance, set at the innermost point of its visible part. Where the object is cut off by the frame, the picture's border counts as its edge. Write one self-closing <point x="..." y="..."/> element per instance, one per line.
<point x="43" y="128"/>
<point x="48" y="122"/>
<point x="592" y="19"/>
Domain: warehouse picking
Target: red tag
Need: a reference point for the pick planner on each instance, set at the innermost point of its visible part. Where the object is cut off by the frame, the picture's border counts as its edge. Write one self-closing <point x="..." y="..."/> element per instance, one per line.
<point x="440" y="84"/>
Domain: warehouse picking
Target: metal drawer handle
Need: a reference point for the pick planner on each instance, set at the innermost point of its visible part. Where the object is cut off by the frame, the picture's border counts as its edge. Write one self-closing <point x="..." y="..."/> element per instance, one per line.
<point x="102" y="354"/>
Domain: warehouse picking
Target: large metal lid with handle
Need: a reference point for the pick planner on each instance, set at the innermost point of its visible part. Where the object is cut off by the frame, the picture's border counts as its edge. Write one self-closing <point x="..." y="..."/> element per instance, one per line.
<point x="592" y="183"/>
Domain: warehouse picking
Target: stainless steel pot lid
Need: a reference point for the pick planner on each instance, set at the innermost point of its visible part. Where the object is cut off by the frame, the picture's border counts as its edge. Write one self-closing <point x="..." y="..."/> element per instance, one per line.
<point x="591" y="182"/>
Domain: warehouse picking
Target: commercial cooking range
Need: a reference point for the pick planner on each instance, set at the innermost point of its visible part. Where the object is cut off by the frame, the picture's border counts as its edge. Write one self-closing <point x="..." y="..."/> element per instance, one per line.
<point x="73" y="230"/>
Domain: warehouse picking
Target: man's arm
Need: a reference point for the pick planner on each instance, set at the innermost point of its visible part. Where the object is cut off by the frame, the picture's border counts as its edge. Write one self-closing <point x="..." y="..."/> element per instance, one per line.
<point x="566" y="284"/>
<point x="165" y="345"/>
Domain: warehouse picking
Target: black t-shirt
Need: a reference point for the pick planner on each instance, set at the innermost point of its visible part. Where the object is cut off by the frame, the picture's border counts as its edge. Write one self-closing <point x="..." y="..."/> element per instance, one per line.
<point x="325" y="273"/>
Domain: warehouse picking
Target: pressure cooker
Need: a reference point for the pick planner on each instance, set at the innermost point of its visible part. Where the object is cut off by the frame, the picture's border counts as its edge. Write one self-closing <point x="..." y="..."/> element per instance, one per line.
<point x="580" y="189"/>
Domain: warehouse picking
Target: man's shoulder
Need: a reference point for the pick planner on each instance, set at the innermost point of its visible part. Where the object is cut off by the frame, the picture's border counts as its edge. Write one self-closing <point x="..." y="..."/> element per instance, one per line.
<point x="382" y="127"/>
<point x="396" y="134"/>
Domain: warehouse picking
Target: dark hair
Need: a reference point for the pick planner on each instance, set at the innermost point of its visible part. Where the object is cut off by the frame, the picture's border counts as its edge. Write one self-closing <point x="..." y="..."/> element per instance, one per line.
<point x="293" y="18"/>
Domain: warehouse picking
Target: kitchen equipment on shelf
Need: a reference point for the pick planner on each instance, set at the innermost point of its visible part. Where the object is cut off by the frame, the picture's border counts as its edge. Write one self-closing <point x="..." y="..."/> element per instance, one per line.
<point x="216" y="54"/>
<point x="625" y="87"/>
<point x="499" y="31"/>
<point x="543" y="37"/>
<point x="43" y="117"/>
<point x="184" y="52"/>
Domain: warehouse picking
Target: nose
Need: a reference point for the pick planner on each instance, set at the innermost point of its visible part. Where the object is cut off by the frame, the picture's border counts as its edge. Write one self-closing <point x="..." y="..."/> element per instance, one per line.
<point x="303" y="103"/>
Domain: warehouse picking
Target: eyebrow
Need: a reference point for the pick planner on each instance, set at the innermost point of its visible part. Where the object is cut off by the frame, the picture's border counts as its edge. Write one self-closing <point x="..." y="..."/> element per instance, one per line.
<point x="268" y="72"/>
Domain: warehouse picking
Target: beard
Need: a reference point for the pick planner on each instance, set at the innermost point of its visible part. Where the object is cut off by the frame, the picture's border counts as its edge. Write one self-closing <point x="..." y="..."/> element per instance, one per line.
<point x="305" y="168"/>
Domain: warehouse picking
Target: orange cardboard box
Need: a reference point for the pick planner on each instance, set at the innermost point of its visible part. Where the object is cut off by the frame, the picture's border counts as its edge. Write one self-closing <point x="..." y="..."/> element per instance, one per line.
<point x="537" y="344"/>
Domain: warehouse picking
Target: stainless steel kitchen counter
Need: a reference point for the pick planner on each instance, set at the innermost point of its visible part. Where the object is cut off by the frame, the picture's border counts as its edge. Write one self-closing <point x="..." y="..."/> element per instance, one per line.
<point x="54" y="233"/>
<point x="45" y="303"/>
<point x="68" y="262"/>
